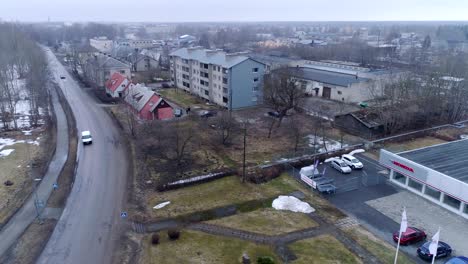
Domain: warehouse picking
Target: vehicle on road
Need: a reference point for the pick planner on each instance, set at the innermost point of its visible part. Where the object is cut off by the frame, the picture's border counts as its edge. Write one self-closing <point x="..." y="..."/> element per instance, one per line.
<point x="443" y="250"/>
<point x="86" y="137"/>
<point x="457" y="260"/>
<point x="411" y="235"/>
<point x="352" y="162"/>
<point x="340" y="166"/>
<point x="177" y="112"/>
<point x="62" y="77"/>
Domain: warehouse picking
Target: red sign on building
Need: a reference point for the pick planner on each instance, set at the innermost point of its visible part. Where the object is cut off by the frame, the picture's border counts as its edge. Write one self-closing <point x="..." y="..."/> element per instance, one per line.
<point x="403" y="166"/>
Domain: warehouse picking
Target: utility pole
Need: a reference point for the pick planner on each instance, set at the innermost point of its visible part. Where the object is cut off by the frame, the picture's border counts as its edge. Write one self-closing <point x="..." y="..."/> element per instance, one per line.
<point x="243" y="163"/>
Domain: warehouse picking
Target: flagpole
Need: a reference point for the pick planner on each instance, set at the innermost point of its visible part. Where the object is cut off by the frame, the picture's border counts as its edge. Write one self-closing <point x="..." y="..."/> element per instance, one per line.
<point x="397" y="248"/>
<point x="437" y="245"/>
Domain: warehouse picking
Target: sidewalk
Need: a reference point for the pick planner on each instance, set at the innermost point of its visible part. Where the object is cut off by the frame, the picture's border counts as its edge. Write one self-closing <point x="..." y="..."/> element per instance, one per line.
<point x="27" y="214"/>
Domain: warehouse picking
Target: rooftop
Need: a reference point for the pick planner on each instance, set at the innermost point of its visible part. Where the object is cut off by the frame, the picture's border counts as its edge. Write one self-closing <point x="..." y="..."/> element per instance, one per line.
<point x="450" y="158"/>
<point x="216" y="57"/>
<point x="323" y="76"/>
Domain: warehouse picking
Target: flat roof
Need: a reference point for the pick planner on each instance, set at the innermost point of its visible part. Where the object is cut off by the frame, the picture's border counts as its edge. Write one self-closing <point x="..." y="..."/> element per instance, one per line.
<point x="323" y="76"/>
<point x="450" y="158"/>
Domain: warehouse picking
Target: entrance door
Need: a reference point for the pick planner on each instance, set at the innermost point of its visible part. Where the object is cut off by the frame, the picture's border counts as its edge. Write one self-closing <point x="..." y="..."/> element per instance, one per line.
<point x="326" y="92"/>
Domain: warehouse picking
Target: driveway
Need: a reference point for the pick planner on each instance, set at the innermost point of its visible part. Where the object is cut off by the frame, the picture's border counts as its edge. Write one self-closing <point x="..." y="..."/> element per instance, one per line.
<point x="88" y="229"/>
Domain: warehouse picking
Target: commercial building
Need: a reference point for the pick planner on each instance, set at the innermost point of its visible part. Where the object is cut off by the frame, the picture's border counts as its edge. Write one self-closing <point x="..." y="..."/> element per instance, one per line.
<point x="438" y="173"/>
<point x="341" y="81"/>
<point x="103" y="44"/>
<point x="230" y="80"/>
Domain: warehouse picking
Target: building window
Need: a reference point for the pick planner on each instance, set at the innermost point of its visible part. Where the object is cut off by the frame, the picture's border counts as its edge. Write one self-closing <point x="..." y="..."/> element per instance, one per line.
<point x="433" y="193"/>
<point x="122" y="71"/>
<point x="255" y="79"/>
<point x="399" y="177"/>
<point x="339" y="92"/>
<point x="255" y="69"/>
<point x="452" y="202"/>
<point x="225" y="70"/>
<point x="225" y="90"/>
<point x="415" y="185"/>
<point x="225" y="100"/>
<point x="254" y="98"/>
<point x="225" y="80"/>
<point x="206" y="92"/>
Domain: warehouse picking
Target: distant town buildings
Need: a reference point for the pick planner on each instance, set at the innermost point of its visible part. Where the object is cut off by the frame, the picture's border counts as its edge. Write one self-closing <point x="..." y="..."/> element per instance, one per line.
<point x="102" y="44"/>
<point x="230" y="80"/>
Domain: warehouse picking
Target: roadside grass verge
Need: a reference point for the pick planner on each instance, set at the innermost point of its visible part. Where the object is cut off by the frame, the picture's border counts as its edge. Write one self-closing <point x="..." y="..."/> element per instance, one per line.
<point x="196" y="247"/>
<point x="322" y="249"/>
<point x="267" y="221"/>
<point x="382" y="250"/>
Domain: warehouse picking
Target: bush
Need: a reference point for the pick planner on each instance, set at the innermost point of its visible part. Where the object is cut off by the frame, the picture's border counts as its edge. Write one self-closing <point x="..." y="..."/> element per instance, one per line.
<point x="173" y="234"/>
<point x="257" y="175"/>
<point x="265" y="260"/>
<point x="155" y="239"/>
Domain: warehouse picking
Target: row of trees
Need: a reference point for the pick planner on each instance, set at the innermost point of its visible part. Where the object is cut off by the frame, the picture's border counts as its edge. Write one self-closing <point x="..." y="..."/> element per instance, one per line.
<point x="23" y="75"/>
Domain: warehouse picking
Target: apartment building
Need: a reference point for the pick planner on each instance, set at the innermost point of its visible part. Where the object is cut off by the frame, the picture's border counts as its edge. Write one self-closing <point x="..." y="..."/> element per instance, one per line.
<point x="230" y="80"/>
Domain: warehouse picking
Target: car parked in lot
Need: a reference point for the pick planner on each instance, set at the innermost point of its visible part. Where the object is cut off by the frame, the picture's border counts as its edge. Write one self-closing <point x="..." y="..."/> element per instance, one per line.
<point x="411" y="235"/>
<point x="62" y="77"/>
<point x="340" y="166"/>
<point x="352" y="162"/>
<point x="457" y="260"/>
<point x="207" y="113"/>
<point x="443" y="250"/>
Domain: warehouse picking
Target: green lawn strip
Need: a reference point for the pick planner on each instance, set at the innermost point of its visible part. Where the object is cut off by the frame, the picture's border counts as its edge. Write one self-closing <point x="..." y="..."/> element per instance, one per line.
<point x="379" y="248"/>
<point x="179" y="97"/>
<point x="267" y="221"/>
<point x="197" y="247"/>
<point x="222" y="192"/>
<point x="322" y="249"/>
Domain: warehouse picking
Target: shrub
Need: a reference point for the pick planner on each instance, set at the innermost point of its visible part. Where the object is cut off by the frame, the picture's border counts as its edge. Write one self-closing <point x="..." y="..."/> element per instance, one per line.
<point x="258" y="175"/>
<point x="8" y="183"/>
<point x="173" y="234"/>
<point x="265" y="260"/>
<point x="155" y="239"/>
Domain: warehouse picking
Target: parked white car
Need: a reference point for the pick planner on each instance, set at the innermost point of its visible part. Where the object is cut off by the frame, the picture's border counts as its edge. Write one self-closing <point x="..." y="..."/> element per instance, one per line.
<point x="340" y="166"/>
<point x="86" y="137"/>
<point x="352" y="162"/>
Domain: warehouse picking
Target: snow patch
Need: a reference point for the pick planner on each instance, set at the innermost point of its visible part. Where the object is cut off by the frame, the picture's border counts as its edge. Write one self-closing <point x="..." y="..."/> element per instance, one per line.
<point x="291" y="203"/>
<point x="27" y="132"/>
<point x="463" y="136"/>
<point x="4" y="142"/>
<point x="322" y="145"/>
<point x="161" y="205"/>
<point x="356" y="151"/>
<point x="6" y="152"/>
<point x="194" y="179"/>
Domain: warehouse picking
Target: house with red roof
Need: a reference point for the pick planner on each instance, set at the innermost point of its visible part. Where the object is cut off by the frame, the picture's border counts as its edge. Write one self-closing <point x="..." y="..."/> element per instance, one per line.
<point x="146" y="104"/>
<point x="116" y="85"/>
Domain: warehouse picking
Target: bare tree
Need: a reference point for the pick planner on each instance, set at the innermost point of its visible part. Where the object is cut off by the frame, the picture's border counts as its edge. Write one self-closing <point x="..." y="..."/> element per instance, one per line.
<point x="226" y="127"/>
<point x="281" y="92"/>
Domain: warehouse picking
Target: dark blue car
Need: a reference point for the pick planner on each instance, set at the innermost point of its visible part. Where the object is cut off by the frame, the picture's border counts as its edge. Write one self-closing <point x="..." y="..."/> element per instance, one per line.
<point x="458" y="260"/>
<point x="443" y="250"/>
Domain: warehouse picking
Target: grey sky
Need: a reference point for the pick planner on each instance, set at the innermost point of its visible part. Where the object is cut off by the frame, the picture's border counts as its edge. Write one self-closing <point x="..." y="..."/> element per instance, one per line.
<point x="232" y="10"/>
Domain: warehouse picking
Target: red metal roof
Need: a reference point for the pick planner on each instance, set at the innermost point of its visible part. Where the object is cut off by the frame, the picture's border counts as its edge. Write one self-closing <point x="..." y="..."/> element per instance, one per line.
<point x="115" y="81"/>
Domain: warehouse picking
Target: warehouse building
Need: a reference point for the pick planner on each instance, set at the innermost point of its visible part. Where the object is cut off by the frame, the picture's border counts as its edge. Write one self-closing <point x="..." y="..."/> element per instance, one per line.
<point x="438" y="173"/>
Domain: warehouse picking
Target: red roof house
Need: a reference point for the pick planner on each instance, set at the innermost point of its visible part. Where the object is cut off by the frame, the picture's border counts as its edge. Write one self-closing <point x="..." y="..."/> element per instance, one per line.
<point x="116" y="85"/>
<point x="147" y="104"/>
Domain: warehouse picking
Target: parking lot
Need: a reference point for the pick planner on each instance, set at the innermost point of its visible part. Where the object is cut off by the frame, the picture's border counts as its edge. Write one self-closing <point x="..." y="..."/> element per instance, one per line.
<point x="377" y="205"/>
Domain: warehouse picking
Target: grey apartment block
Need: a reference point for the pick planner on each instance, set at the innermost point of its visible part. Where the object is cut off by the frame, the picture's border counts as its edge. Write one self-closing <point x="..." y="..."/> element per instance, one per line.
<point x="233" y="81"/>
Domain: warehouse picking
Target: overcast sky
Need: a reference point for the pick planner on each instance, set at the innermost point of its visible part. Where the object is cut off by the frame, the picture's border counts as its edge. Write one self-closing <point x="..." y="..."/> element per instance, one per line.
<point x="232" y="10"/>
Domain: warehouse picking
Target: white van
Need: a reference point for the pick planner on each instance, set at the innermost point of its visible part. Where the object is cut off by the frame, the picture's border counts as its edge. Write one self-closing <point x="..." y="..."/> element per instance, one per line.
<point x="86" y="137"/>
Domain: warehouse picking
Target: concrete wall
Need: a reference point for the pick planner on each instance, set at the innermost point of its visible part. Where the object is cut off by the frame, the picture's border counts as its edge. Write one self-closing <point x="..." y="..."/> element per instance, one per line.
<point x="241" y="84"/>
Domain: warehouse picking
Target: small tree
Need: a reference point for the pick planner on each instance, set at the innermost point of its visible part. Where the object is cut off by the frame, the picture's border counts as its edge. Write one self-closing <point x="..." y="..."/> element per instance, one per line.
<point x="281" y="92"/>
<point x="265" y="260"/>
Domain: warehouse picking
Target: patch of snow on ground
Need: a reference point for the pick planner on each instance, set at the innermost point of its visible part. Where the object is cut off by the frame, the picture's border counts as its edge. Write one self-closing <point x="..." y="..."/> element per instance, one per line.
<point x="161" y="205"/>
<point x="6" y="152"/>
<point x="197" y="178"/>
<point x="291" y="203"/>
<point x="27" y="132"/>
<point x="463" y="136"/>
<point x="320" y="144"/>
<point x="4" y="142"/>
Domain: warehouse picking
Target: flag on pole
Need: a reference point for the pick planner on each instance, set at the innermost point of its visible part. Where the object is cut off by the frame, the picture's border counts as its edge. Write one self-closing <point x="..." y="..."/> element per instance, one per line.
<point x="404" y="222"/>
<point x="434" y="243"/>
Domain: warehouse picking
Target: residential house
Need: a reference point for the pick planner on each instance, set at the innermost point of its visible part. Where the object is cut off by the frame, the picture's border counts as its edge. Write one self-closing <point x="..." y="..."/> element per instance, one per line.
<point x="116" y="85"/>
<point x="230" y="80"/>
<point x="144" y="63"/>
<point x="146" y="104"/>
<point x="100" y="67"/>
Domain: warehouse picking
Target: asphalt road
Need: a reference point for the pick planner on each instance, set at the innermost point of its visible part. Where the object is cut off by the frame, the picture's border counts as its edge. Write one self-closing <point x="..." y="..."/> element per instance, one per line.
<point x="88" y="229"/>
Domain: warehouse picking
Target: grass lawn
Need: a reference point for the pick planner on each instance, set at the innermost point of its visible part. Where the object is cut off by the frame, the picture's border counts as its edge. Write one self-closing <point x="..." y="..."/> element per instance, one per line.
<point x="267" y="221"/>
<point x="322" y="249"/>
<point x="382" y="250"/>
<point x="196" y="247"/>
<point x="180" y="97"/>
<point x="230" y="190"/>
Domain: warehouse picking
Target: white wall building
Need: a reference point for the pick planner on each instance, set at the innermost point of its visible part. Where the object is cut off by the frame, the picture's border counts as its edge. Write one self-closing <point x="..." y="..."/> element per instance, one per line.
<point x="102" y="44"/>
<point x="438" y="173"/>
